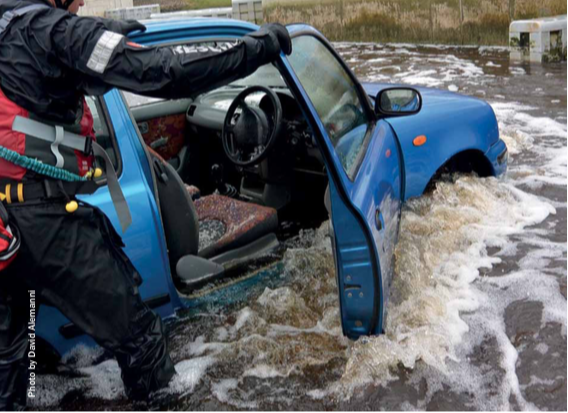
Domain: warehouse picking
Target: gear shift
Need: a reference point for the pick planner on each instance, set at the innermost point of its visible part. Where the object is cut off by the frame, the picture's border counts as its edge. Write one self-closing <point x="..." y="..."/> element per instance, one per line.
<point x="218" y="176"/>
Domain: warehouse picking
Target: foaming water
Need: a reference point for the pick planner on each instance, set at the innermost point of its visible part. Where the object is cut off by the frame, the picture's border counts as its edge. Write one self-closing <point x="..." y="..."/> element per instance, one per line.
<point x="444" y="240"/>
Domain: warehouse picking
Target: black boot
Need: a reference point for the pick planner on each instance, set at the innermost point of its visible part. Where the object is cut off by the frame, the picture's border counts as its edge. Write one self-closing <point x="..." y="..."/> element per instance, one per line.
<point x="145" y="362"/>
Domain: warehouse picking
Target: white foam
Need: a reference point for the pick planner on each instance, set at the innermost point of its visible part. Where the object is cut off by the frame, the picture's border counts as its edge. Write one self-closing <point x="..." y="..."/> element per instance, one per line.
<point x="105" y="381"/>
<point x="264" y="371"/>
<point x="542" y="348"/>
<point x="51" y="389"/>
<point x="318" y="394"/>
<point x="189" y="373"/>
<point x="492" y="49"/>
<point x="377" y="60"/>
<point x="222" y="391"/>
<point x="199" y="347"/>
<point x="82" y="356"/>
<point x="521" y="129"/>
<point x="102" y="381"/>
<point x="517" y="71"/>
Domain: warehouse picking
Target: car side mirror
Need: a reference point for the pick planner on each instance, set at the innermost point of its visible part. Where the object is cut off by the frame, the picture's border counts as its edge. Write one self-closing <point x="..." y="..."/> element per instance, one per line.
<point x="398" y="101"/>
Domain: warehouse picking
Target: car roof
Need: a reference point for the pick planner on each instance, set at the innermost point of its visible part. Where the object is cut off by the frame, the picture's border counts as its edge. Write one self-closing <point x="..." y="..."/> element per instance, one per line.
<point x="160" y="27"/>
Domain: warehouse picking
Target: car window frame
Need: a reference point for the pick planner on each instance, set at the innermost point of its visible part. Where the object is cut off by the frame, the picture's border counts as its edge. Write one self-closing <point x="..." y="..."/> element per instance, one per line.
<point x="361" y="94"/>
<point x="104" y="115"/>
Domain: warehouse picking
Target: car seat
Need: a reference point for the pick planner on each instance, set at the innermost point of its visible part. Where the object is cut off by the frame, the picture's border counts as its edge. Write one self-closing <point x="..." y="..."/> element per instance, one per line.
<point x="210" y="226"/>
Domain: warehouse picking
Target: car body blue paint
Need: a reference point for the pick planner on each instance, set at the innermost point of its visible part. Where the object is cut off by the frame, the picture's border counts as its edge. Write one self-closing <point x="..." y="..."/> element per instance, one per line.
<point x="452" y="123"/>
<point x="365" y="210"/>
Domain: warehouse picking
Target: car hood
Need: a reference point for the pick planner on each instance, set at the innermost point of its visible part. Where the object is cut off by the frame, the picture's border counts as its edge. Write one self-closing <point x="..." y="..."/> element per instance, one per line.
<point x="442" y="110"/>
<point x="435" y="101"/>
<point x="452" y="123"/>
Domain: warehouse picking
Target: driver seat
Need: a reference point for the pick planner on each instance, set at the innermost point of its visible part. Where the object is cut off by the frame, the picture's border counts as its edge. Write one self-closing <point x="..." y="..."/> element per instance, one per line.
<point x="210" y="226"/>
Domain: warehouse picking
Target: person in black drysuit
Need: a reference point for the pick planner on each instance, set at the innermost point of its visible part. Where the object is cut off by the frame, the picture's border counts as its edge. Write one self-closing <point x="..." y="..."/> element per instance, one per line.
<point x="49" y="60"/>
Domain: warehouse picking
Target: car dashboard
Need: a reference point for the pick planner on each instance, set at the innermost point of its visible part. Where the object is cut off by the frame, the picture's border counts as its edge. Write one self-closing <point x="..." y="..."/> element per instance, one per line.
<point x="208" y="111"/>
<point x="188" y="134"/>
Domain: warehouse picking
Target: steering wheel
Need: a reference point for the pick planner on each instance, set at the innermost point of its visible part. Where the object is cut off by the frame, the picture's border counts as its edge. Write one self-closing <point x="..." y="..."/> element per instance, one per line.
<point x="249" y="135"/>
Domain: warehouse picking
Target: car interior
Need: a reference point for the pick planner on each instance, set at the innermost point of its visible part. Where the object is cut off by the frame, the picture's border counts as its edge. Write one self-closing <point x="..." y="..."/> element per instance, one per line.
<point x="238" y="172"/>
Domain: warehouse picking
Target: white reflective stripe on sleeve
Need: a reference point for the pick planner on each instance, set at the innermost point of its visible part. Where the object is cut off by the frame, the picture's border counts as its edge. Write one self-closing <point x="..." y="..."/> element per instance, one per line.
<point x="103" y="51"/>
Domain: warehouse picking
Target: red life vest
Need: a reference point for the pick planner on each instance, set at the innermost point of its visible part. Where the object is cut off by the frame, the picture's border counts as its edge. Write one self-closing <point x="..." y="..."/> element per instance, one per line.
<point x="74" y="160"/>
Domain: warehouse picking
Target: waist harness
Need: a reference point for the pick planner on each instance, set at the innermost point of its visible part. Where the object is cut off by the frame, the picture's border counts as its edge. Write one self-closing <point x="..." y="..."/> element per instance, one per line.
<point x="57" y="136"/>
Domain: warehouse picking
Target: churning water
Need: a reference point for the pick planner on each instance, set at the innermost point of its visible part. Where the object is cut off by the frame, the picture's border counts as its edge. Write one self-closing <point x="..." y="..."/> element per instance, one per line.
<point x="477" y="316"/>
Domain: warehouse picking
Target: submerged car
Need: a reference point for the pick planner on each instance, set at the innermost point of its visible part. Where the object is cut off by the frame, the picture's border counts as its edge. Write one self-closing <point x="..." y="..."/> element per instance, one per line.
<point x="216" y="182"/>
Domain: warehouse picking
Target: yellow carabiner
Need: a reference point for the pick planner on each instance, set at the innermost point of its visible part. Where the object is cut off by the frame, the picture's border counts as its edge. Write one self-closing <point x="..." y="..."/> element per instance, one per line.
<point x="71" y="206"/>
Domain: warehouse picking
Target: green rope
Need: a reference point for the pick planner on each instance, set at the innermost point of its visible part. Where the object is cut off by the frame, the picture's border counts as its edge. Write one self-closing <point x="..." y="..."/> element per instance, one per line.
<point x="39" y="167"/>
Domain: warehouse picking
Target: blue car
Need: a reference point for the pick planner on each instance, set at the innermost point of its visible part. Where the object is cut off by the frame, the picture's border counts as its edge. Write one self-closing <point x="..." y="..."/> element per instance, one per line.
<point x="216" y="183"/>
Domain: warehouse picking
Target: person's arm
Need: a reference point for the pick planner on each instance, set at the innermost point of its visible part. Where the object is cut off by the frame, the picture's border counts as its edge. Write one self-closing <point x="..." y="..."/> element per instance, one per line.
<point x="93" y="47"/>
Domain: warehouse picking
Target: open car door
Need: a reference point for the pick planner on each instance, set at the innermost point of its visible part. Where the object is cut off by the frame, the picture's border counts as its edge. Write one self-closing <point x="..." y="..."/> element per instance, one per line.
<point x="364" y="166"/>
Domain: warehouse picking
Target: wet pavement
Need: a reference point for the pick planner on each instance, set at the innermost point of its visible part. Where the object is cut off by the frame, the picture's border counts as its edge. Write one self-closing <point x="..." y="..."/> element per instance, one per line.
<point x="477" y="319"/>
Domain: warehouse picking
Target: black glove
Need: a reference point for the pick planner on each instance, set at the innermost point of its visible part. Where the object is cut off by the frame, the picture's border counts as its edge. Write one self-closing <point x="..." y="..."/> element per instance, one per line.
<point x="129" y="26"/>
<point x="275" y="38"/>
<point x="281" y="34"/>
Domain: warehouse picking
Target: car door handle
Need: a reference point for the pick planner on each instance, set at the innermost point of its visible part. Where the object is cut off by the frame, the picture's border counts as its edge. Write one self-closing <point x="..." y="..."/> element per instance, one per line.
<point x="379" y="220"/>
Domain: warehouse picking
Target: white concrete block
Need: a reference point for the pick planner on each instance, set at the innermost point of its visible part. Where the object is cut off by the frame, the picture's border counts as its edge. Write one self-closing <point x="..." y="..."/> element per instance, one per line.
<point x="533" y="39"/>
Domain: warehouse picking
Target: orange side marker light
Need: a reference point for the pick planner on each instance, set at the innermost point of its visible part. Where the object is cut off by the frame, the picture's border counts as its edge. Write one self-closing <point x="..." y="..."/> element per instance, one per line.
<point x="419" y="140"/>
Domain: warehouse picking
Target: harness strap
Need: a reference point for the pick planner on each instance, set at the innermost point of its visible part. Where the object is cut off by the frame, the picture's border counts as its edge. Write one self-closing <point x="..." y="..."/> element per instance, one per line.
<point x="20" y="192"/>
<point x="116" y="194"/>
<point x="59" y="135"/>
<point x="8" y="16"/>
<point x="49" y="134"/>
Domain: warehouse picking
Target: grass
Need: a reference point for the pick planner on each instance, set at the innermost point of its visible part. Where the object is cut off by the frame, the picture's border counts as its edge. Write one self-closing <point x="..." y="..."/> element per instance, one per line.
<point x="484" y="22"/>
<point x="206" y="4"/>
<point x="176" y="5"/>
<point x="417" y="21"/>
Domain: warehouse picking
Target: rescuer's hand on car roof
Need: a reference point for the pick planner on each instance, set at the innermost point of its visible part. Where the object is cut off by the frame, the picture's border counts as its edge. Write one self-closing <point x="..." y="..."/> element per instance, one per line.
<point x="281" y="34"/>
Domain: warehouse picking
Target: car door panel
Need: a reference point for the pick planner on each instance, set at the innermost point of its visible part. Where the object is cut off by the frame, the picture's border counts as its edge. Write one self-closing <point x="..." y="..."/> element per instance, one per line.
<point x="377" y="191"/>
<point x="166" y="134"/>
<point x="355" y="259"/>
<point x="365" y="195"/>
<point x="164" y="127"/>
<point x="162" y="123"/>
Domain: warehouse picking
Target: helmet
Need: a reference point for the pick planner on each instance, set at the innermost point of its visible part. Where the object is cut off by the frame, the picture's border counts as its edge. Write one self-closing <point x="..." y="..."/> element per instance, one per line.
<point x="63" y="4"/>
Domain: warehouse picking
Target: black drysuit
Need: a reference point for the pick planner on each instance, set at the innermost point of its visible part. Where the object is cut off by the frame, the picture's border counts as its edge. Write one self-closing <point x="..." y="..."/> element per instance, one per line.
<point x="49" y="60"/>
